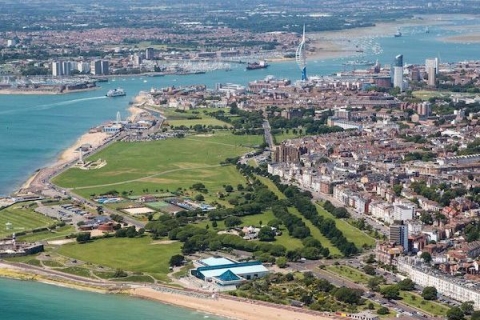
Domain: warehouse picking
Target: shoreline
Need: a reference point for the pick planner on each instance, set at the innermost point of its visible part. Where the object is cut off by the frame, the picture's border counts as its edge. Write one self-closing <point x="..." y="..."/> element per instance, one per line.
<point x="43" y="92"/>
<point x="95" y="139"/>
<point x="218" y="305"/>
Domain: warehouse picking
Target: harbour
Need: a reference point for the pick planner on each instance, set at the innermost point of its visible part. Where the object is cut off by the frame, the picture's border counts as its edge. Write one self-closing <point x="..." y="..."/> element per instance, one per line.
<point x="57" y="120"/>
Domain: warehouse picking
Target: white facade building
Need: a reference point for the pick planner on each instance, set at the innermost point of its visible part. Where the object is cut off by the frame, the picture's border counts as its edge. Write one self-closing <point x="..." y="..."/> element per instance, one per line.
<point x="455" y="288"/>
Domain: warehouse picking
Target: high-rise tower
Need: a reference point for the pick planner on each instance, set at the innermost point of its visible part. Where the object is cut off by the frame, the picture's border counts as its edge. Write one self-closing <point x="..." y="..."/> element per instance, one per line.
<point x="301" y="58"/>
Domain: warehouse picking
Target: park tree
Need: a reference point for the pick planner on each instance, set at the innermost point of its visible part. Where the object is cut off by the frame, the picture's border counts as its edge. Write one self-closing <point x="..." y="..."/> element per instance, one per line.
<point x="199" y="197"/>
<point x="348" y="295"/>
<point x="294" y="255"/>
<point x="311" y="253"/>
<point x="324" y="285"/>
<point x="475" y="315"/>
<point x="390" y="292"/>
<point x="383" y="311"/>
<point x="266" y="234"/>
<point x="427" y="257"/>
<point x="274" y="223"/>
<point x="374" y="283"/>
<point x="176" y="260"/>
<point x="455" y="313"/>
<point x="467" y="307"/>
<point x="228" y="188"/>
<point x="406" y="285"/>
<point x="429" y="293"/>
<point x="369" y="270"/>
<point x="83" y="237"/>
<point x="281" y="262"/>
<point x="232" y="221"/>
<point x="341" y="213"/>
<point x="370" y="259"/>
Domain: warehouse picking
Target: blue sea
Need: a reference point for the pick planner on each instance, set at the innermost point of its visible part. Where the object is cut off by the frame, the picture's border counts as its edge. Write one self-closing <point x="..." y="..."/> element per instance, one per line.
<point x="34" y="129"/>
<point x="24" y="300"/>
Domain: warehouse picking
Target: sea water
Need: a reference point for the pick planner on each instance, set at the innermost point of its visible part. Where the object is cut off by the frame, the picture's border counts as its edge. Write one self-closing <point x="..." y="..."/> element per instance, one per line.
<point x="26" y="300"/>
<point x="34" y="129"/>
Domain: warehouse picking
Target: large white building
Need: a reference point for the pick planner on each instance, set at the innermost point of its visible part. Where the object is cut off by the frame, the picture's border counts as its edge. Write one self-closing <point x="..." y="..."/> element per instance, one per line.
<point x="402" y="212"/>
<point x="56" y="69"/>
<point x="455" y="288"/>
<point x="398" y="78"/>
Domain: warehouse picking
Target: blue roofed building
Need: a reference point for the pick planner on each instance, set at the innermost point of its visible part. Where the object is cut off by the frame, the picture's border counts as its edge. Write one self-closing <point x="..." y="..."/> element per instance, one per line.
<point x="226" y="272"/>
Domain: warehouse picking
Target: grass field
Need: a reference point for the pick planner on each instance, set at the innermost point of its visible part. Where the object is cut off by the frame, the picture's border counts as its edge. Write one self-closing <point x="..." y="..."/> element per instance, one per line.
<point x="358" y="237"/>
<point x="285" y="239"/>
<point x="417" y="301"/>
<point x="59" y="233"/>
<point x="137" y="255"/>
<point x="182" y="118"/>
<point x="425" y="95"/>
<point x="267" y="182"/>
<point x="205" y="120"/>
<point x="349" y="273"/>
<point x="314" y="230"/>
<point x="21" y="220"/>
<point x="284" y="136"/>
<point x="317" y="234"/>
<point x="161" y="165"/>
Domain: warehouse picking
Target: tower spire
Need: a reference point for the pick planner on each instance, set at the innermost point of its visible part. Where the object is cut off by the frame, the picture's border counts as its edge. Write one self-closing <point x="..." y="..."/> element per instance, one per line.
<point x="300" y="56"/>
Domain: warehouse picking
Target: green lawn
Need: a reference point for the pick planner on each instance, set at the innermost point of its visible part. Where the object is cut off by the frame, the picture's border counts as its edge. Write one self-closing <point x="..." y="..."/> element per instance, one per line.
<point x="314" y="230"/>
<point x="317" y="234"/>
<point x="267" y="182"/>
<point x="417" y="301"/>
<point x="285" y="239"/>
<point x="59" y="233"/>
<point x="254" y="220"/>
<point x="349" y="273"/>
<point x="425" y="95"/>
<point x="284" y="136"/>
<point x="181" y="118"/>
<point x="213" y="178"/>
<point x="137" y="255"/>
<point x="22" y="219"/>
<point x="205" y="120"/>
<point x="161" y="165"/>
<point x="353" y="234"/>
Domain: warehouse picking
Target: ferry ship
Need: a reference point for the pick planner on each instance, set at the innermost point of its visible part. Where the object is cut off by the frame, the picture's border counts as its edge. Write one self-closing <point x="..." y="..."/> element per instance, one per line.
<point x="257" y="65"/>
<point x="118" y="92"/>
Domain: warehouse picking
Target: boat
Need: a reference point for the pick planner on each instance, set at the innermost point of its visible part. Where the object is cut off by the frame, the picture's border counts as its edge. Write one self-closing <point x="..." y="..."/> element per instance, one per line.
<point x="397" y="34"/>
<point x="427" y="30"/>
<point x="118" y="92"/>
<point x="257" y="65"/>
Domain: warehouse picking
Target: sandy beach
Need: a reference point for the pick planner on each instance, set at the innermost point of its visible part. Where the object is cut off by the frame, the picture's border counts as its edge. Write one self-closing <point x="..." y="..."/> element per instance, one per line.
<point x="224" y="307"/>
<point x="95" y="139"/>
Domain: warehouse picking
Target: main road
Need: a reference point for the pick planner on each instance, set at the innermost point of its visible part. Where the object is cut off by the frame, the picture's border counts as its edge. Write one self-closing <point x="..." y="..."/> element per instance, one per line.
<point x="268" y="135"/>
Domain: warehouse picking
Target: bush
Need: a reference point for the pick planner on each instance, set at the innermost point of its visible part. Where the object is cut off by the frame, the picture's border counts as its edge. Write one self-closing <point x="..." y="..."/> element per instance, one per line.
<point x="281" y="262"/>
<point x="383" y="310"/>
<point x="83" y="237"/>
<point x="429" y="293"/>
